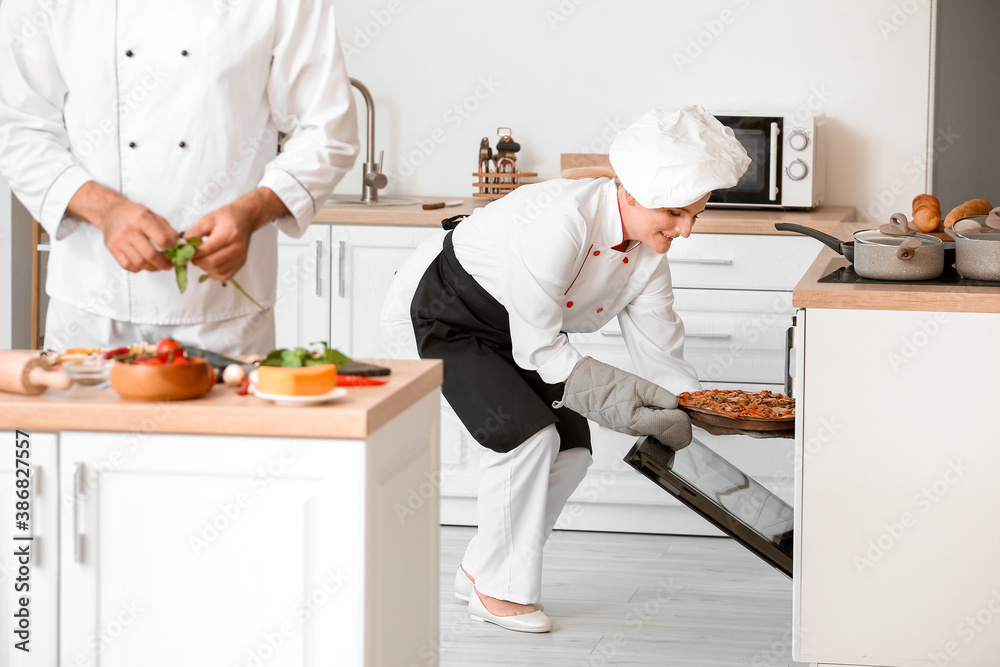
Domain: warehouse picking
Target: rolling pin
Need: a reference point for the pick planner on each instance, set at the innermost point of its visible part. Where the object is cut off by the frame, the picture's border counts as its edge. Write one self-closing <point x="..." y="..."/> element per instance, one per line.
<point x="28" y="372"/>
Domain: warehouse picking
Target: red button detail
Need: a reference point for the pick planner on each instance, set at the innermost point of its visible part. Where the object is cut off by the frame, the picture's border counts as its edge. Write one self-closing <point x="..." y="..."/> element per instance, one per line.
<point x="599" y="309"/>
<point x="625" y="260"/>
<point x="596" y="253"/>
<point x="569" y="304"/>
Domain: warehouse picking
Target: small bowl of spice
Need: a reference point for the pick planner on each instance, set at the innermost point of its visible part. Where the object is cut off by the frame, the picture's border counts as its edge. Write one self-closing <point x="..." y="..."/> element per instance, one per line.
<point x="90" y="371"/>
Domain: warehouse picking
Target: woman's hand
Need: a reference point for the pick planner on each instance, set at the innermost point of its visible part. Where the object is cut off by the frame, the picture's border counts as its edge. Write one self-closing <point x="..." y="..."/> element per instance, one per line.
<point x="625" y="402"/>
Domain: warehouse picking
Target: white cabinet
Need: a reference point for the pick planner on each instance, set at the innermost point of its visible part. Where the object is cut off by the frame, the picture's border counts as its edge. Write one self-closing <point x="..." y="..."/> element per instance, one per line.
<point x="365" y="259"/>
<point x="302" y="307"/>
<point x="41" y="575"/>
<point x="896" y="547"/>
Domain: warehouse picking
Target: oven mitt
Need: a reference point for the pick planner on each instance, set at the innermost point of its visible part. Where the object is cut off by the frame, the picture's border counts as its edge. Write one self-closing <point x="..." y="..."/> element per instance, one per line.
<point x="625" y="402"/>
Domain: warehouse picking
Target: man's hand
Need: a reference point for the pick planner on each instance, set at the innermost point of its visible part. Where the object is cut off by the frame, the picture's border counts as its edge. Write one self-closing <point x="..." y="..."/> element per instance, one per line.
<point x="130" y="229"/>
<point x="227" y="232"/>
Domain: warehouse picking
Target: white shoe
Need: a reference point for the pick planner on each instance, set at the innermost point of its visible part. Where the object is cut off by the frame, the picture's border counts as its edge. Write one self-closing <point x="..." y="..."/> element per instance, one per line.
<point x="463" y="588"/>
<point x="463" y="585"/>
<point x="536" y="621"/>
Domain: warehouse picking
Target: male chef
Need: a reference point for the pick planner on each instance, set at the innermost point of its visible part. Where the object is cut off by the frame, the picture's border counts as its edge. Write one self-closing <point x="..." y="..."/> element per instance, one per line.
<point x="125" y="125"/>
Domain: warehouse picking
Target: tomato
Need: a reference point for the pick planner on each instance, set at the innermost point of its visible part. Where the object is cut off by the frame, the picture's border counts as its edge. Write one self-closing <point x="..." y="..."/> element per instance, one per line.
<point x="167" y="345"/>
<point x="178" y="360"/>
<point x="148" y="362"/>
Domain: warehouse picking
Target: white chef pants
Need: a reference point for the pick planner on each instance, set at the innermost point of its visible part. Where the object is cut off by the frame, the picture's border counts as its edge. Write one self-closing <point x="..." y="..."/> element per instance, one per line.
<point x="67" y="326"/>
<point x="521" y="494"/>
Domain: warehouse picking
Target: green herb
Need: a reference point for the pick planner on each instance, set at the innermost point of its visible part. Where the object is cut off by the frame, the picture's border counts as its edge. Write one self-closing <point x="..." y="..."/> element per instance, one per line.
<point x="300" y="356"/>
<point x="182" y="253"/>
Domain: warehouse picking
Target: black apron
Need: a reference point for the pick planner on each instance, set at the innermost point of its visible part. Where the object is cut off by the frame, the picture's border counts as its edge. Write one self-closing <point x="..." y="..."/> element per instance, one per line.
<point x="500" y="403"/>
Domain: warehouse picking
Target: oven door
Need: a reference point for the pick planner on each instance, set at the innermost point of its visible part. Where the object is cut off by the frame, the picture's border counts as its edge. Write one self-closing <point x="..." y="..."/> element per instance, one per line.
<point x="761" y="184"/>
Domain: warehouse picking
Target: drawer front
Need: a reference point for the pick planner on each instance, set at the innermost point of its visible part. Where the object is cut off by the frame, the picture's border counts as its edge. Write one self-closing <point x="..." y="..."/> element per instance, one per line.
<point x="737" y="261"/>
<point x="730" y="336"/>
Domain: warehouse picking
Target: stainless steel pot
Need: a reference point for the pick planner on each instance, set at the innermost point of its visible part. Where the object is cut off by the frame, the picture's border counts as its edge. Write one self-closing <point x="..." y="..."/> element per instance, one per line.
<point x="977" y="246"/>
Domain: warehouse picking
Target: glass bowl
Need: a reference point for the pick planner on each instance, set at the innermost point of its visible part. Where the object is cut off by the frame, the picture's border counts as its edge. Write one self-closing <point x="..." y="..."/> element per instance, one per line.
<point x="90" y="372"/>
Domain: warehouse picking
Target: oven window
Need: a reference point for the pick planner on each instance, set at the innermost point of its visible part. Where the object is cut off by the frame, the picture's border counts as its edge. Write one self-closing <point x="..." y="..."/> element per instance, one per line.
<point x="754" y="132"/>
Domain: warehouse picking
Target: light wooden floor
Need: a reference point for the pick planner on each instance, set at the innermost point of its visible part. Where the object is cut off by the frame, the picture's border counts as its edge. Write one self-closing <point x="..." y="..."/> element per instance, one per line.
<point x="626" y="599"/>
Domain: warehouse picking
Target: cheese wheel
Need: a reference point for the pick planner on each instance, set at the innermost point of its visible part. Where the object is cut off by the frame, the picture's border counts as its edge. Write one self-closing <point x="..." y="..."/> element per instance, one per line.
<point x="298" y="381"/>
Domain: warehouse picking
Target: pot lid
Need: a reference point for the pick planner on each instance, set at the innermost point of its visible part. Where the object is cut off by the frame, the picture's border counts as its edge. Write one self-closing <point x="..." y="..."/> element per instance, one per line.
<point x="980" y="227"/>
<point x="877" y="237"/>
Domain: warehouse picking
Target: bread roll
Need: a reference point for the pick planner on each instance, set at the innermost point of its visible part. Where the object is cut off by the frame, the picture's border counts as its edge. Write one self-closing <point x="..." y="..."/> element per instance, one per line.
<point x="926" y="213"/>
<point x="971" y="207"/>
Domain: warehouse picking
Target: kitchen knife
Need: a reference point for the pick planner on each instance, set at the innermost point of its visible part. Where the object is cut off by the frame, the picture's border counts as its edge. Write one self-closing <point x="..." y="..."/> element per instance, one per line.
<point x="442" y="204"/>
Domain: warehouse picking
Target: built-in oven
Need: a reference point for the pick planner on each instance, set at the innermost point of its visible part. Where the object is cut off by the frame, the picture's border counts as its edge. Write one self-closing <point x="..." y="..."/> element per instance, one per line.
<point x="787" y="168"/>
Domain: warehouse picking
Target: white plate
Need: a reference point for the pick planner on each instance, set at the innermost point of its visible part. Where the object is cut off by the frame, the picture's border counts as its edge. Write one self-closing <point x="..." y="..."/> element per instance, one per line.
<point x="295" y="401"/>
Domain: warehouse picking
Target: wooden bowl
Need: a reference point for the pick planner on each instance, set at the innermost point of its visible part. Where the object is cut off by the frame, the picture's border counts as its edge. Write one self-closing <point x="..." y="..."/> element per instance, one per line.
<point x="162" y="383"/>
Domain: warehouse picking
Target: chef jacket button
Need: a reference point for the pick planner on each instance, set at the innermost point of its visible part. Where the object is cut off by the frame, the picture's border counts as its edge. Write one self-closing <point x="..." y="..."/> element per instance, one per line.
<point x="182" y="145"/>
<point x="600" y="310"/>
<point x="625" y="260"/>
<point x="129" y="53"/>
<point x="131" y="144"/>
<point x="184" y="52"/>
<point x="596" y="253"/>
<point x="569" y="304"/>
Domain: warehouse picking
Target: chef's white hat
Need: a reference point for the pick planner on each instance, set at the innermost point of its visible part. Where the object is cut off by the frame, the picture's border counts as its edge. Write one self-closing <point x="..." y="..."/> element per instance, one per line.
<point x="669" y="159"/>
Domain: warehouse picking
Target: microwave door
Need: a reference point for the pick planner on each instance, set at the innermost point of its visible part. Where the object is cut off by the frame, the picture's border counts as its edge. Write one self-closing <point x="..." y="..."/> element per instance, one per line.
<point x="760" y="186"/>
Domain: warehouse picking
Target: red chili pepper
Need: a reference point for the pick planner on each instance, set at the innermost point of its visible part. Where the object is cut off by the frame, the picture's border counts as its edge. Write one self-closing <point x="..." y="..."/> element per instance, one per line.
<point x="357" y="381"/>
<point x="244" y="388"/>
<point x="118" y="351"/>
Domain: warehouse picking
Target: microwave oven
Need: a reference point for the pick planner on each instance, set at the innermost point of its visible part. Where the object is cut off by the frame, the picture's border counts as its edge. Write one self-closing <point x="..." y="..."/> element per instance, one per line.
<point x="787" y="168"/>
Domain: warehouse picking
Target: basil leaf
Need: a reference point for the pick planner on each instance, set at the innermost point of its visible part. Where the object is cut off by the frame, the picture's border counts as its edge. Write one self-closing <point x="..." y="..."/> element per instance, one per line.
<point x="182" y="276"/>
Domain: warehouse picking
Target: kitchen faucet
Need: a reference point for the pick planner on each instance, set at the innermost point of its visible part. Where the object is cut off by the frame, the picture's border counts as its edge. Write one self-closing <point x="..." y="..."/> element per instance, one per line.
<point x="372" y="179"/>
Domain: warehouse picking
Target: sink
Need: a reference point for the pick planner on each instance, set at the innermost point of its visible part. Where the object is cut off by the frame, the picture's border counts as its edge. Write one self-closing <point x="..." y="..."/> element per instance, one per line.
<point x="388" y="200"/>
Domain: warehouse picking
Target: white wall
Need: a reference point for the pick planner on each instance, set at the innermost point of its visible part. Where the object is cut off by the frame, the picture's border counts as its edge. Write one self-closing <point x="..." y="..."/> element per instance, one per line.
<point x="566" y="73"/>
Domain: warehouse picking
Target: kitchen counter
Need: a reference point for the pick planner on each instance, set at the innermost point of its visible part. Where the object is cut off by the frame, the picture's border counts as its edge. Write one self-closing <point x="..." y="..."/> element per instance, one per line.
<point x="809" y="293"/>
<point x="713" y="221"/>
<point x="222" y="412"/>
<point x="238" y="525"/>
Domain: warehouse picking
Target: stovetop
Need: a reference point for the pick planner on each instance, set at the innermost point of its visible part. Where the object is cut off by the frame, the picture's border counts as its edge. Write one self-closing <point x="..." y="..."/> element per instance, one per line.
<point x="950" y="277"/>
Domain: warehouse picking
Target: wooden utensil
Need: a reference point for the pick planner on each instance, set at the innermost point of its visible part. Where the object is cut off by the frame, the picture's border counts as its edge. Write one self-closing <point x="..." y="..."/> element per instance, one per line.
<point x="27" y="372"/>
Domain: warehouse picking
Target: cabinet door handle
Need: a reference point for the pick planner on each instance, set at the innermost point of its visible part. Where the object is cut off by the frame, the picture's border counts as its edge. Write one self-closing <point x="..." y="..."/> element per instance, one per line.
<point x="77" y="492"/>
<point x="342" y="252"/>
<point x="319" y="267"/>
<point x="698" y="260"/>
<point x="789" y="346"/>
<point x="615" y="334"/>
<point x="711" y="336"/>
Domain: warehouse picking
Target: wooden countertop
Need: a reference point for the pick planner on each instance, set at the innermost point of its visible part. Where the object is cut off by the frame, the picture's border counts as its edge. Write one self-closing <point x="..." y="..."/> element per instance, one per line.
<point x="933" y="298"/>
<point x="712" y="221"/>
<point x="222" y="412"/>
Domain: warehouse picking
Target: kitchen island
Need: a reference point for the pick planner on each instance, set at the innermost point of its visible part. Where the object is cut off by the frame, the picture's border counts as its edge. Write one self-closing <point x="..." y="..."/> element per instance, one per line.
<point x="897" y="454"/>
<point x="225" y="530"/>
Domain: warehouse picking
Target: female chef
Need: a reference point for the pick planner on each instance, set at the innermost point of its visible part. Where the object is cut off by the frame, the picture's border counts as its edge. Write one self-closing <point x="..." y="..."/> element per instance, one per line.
<point x="496" y="302"/>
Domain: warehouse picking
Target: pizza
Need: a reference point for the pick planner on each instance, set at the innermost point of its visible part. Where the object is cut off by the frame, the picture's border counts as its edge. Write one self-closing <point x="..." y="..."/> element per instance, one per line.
<point x="739" y="404"/>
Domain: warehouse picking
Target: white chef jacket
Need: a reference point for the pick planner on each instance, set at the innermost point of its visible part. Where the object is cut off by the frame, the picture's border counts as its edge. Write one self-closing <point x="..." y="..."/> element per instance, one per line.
<point x="177" y="105"/>
<point x="544" y="251"/>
